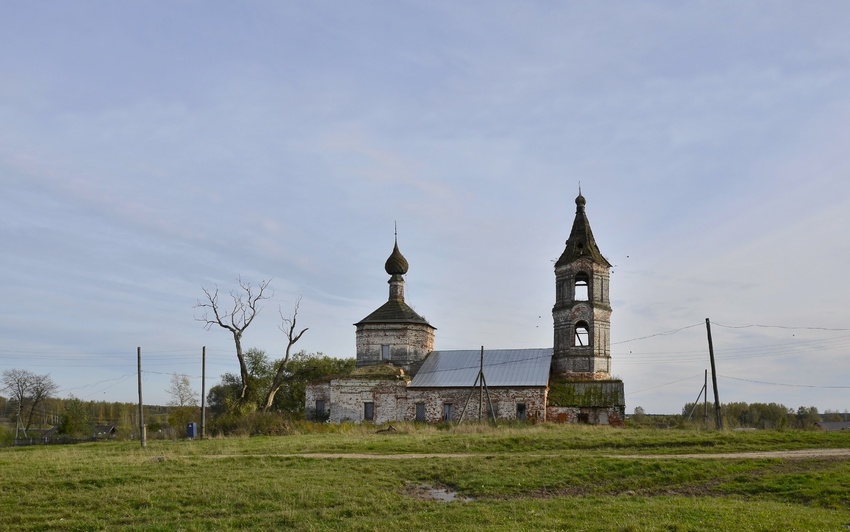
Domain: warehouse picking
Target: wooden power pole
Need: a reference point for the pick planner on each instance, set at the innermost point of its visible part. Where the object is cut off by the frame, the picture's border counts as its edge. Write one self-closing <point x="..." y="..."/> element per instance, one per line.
<point x="481" y="384"/>
<point x="203" y="390"/>
<point x="143" y="437"/>
<point x="717" y="417"/>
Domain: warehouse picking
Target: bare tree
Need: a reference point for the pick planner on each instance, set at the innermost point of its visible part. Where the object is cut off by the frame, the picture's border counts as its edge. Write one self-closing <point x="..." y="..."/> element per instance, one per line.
<point x="29" y="390"/>
<point x="288" y="326"/>
<point x="181" y="391"/>
<point x="235" y="319"/>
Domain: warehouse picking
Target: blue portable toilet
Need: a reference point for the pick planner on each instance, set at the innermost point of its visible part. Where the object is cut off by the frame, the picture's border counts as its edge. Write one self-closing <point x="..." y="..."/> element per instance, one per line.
<point x="191" y="430"/>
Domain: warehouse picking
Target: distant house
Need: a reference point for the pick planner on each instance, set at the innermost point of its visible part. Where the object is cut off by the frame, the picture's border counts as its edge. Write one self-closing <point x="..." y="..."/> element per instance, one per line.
<point x="104" y="431"/>
<point x="832" y="426"/>
<point x="49" y="434"/>
<point x="400" y="377"/>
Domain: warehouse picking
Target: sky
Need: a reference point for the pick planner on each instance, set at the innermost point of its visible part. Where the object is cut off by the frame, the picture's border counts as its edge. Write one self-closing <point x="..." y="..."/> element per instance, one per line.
<point x="151" y="149"/>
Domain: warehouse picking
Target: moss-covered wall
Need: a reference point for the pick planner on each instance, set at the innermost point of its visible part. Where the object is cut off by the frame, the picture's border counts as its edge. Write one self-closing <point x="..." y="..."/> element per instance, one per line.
<point x="586" y="394"/>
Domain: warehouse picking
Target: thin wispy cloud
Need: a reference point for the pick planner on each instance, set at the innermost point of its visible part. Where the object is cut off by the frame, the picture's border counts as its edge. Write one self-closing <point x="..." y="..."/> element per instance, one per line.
<point x="148" y="151"/>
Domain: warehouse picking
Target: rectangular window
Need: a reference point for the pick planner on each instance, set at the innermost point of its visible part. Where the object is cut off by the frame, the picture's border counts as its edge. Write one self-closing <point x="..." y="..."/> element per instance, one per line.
<point x="584" y="418"/>
<point x="369" y="411"/>
<point x="448" y="411"/>
<point x="420" y="412"/>
<point x="320" y="407"/>
<point x="520" y="411"/>
<point x="385" y="352"/>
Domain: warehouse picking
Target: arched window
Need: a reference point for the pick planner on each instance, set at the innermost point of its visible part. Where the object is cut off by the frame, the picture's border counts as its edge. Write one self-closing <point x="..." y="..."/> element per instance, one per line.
<point x="582" y="337"/>
<point x="582" y="282"/>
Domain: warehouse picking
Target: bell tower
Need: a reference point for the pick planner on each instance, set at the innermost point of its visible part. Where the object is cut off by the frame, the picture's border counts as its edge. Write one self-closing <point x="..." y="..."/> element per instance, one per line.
<point x="582" y="311"/>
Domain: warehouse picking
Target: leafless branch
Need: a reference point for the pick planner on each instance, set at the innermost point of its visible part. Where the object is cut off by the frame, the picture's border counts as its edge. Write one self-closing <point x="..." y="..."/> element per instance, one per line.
<point x="288" y="326"/>
<point x="246" y="306"/>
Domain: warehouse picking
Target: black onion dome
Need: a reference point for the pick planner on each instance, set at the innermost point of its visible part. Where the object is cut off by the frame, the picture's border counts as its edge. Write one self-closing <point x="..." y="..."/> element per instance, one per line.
<point x="396" y="264"/>
<point x="580" y="201"/>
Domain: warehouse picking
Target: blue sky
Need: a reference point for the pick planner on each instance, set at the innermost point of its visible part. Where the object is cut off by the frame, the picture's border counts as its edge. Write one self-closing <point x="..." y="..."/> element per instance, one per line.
<point x="149" y="149"/>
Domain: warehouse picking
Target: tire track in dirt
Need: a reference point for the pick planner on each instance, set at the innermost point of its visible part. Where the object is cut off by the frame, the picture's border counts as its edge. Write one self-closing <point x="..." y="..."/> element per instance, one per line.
<point x="800" y="454"/>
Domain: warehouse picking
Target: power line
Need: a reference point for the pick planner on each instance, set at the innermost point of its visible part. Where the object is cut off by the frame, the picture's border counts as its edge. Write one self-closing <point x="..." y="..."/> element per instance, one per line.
<point x="665" y="333"/>
<point x="785" y="384"/>
<point x="119" y="360"/>
<point x="778" y="327"/>
<point x="665" y="384"/>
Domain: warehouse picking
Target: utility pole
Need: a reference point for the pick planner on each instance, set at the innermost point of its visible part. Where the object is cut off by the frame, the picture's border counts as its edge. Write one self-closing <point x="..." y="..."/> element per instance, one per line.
<point x="481" y="387"/>
<point x="704" y="390"/>
<point x="18" y="423"/>
<point x="203" y="389"/>
<point x="481" y="384"/>
<point x="143" y="437"/>
<point x="705" y="401"/>
<point x="718" y="418"/>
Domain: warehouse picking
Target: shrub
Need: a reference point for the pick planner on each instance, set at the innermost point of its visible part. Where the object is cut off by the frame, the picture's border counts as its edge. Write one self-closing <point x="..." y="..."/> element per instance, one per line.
<point x="253" y="424"/>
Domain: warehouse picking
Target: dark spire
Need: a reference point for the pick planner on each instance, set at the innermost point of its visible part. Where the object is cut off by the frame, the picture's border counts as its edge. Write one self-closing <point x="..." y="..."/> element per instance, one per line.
<point x="581" y="242"/>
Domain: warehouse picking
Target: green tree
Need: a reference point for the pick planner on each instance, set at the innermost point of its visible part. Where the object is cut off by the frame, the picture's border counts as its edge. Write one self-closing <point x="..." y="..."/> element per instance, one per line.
<point x="830" y="415"/>
<point x="226" y="397"/>
<point x="76" y="419"/>
<point x="281" y="374"/>
<point x="807" y="417"/>
<point x="735" y="414"/>
<point x="697" y="412"/>
<point x="768" y="416"/>
<point x="301" y="369"/>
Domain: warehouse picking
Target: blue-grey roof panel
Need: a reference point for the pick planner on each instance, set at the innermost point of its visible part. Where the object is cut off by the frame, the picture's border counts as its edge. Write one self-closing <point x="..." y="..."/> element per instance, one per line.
<point x="502" y="367"/>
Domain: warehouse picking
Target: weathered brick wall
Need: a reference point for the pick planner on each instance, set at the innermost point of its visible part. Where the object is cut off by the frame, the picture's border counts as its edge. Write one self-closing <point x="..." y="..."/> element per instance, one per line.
<point x="503" y="400"/>
<point x="409" y="343"/>
<point x="317" y="392"/>
<point x="348" y="397"/>
<point x="394" y="401"/>
<point x="614" y="416"/>
<point x="569" y="358"/>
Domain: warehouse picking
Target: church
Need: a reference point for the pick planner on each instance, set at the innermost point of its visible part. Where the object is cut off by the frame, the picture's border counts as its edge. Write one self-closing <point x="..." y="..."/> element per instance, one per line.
<point x="400" y="377"/>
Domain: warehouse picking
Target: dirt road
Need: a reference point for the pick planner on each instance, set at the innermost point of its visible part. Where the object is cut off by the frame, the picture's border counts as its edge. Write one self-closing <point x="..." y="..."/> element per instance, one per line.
<point x="802" y="454"/>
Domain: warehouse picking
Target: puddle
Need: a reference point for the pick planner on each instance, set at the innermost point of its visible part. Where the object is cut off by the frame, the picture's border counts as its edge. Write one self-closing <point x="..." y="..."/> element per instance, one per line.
<point x="428" y="492"/>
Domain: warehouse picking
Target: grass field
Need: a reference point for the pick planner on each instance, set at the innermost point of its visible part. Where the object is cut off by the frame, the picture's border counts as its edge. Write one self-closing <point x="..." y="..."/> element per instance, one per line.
<point x="542" y="477"/>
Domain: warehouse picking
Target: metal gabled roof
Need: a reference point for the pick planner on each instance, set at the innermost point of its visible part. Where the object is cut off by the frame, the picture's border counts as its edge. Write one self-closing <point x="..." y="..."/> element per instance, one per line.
<point x="502" y="367"/>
